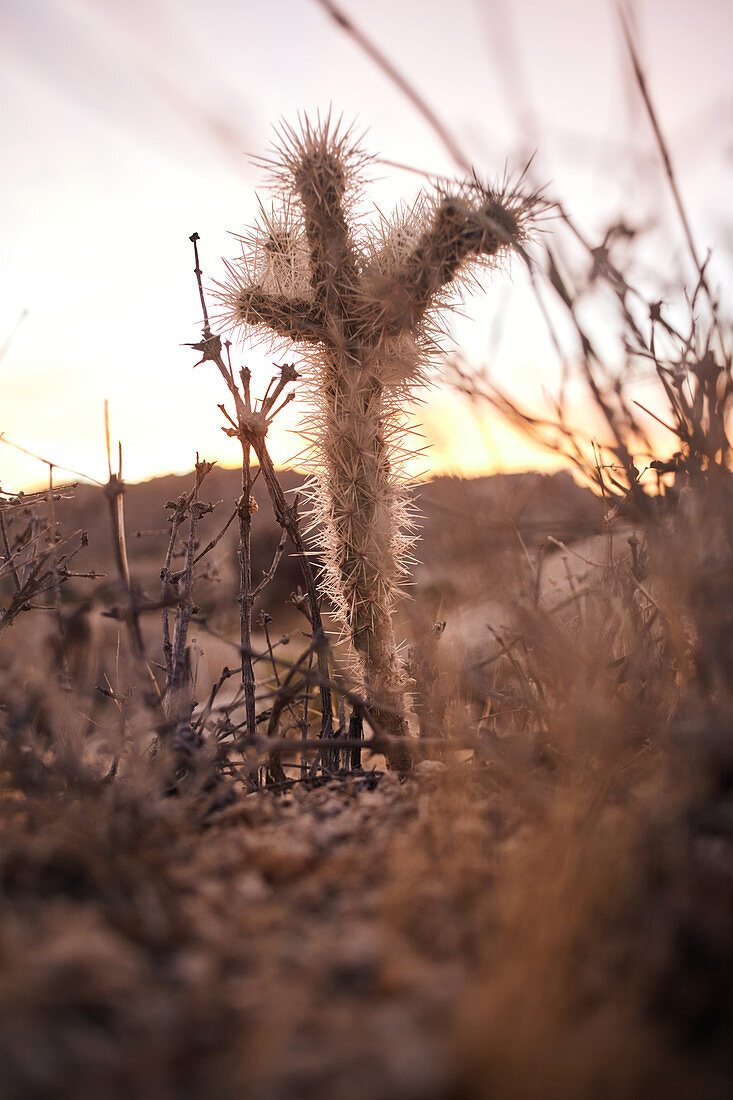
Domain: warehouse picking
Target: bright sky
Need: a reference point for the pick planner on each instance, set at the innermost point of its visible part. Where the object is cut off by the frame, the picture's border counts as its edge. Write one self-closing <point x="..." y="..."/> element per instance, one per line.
<point x="128" y="124"/>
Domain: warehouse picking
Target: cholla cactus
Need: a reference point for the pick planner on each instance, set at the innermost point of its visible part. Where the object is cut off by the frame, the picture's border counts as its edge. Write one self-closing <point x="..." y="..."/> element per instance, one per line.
<point x="363" y="304"/>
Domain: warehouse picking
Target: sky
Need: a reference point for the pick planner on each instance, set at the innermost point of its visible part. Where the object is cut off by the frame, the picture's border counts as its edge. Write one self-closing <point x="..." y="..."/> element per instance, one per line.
<point x="129" y="124"/>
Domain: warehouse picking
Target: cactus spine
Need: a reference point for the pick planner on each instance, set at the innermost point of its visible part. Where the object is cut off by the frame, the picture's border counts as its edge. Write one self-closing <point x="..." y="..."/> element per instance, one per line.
<point x="363" y="304"/>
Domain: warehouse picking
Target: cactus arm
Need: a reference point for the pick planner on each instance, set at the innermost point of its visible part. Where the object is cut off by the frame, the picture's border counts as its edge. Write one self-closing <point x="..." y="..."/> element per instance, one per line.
<point x="294" y="318"/>
<point x="320" y="180"/>
<point x="398" y="298"/>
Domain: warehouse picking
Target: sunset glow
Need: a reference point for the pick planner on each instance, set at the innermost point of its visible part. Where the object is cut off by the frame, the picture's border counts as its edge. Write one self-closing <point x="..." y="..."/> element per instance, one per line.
<point x="115" y="153"/>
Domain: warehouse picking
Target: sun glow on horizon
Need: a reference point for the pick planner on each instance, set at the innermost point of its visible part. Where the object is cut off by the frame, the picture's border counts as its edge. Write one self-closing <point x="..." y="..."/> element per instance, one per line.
<point x="113" y="158"/>
<point x="450" y="438"/>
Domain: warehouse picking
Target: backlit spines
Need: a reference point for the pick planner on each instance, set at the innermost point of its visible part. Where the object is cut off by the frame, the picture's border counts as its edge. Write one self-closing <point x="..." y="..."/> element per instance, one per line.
<point x="364" y="305"/>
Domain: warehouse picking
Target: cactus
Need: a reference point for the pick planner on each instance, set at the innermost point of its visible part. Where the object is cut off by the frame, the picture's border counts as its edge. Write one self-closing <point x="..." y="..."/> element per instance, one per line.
<point x="363" y="304"/>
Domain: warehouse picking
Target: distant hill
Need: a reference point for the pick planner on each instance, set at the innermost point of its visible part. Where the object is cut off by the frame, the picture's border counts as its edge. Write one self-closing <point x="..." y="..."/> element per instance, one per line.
<point x="458" y="520"/>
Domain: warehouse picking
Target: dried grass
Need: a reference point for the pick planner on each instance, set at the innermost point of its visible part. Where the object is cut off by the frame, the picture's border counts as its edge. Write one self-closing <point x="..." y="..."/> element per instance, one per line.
<point x="540" y="906"/>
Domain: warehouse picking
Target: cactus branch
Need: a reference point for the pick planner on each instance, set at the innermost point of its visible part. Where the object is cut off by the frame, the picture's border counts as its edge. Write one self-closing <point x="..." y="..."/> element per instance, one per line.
<point x="360" y="303"/>
<point x="294" y="319"/>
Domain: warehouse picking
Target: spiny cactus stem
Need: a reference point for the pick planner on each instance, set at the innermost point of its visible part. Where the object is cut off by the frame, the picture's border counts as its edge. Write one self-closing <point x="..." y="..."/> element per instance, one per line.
<point x="360" y="307"/>
<point x="296" y="319"/>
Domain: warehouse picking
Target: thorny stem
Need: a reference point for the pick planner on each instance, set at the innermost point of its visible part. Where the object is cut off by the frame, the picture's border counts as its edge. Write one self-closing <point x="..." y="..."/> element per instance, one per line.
<point x="165" y="576"/>
<point x="267" y="577"/>
<point x="356" y="733"/>
<point x="65" y="675"/>
<point x="194" y="239"/>
<point x="251" y="428"/>
<point x="217" y="539"/>
<point x="176" y="656"/>
<point x="265" y="620"/>
<point x="35" y="570"/>
<point x="367" y="707"/>
<point x="287" y="692"/>
<point x="288" y="520"/>
<point x="246" y="597"/>
<point x="9" y="559"/>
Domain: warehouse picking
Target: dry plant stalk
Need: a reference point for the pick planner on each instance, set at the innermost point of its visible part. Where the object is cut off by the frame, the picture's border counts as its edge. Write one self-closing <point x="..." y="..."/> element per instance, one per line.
<point x="250" y="426"/>
<point x="363" y="303"/>
<point x="188" y="506"/>
<point x="34" y="556"/>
